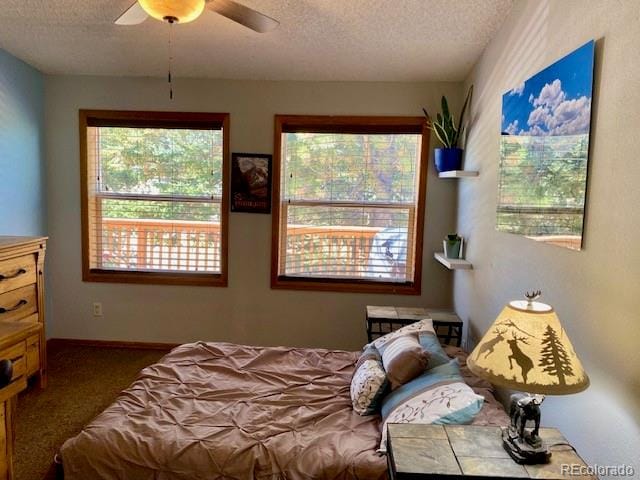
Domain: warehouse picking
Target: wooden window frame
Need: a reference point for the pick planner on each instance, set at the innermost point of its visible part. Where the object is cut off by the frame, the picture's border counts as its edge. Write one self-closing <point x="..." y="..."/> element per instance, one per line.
<point x="151" y="119"/>
<point x="347" y="124"/>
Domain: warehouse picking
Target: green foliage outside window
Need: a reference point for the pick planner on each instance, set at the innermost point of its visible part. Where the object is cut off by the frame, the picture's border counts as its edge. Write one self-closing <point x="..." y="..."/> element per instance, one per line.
<point x="160" y="162"/>
<point x="356" y="168"/>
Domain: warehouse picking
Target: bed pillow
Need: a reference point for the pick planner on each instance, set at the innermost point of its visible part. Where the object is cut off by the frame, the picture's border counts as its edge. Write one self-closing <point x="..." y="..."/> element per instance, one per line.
<point x="414" y="329"/>
<point x="403" y="359"/>
<point x="438" y="397"/>
<point x="431" y="343"/>
<point x="369" y="383"/>
<point x="369" y="353"/>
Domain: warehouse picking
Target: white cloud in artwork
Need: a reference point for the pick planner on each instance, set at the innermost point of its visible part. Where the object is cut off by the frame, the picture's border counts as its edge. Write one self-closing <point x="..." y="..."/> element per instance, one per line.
<point x="551" y="95"/>
<point x="512" y="128"/>
<point x="571" y="117"/>
<point x="538" y="116"/>
<point x="531" y="98"/>
<point x="535" y="131"/>
<point x="555" y="115"/>
<point x="517" y="90"/>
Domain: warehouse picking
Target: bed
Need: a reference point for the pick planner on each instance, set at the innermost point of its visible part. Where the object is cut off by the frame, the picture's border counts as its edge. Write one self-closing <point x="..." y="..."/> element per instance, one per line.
<point x="220" y="410"/>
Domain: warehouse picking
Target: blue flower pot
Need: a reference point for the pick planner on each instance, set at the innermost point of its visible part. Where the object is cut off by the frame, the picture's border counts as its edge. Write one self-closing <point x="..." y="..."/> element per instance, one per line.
<point x="447" y="159"/>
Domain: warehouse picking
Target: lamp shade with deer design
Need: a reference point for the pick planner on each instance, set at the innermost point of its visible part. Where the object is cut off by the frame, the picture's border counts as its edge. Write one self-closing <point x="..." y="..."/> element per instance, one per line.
<point x="527" y="349"/>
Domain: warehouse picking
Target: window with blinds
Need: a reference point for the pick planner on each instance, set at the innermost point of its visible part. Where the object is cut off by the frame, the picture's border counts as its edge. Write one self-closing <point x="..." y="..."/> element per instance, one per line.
<point x="350" y="201"/>
<point x="154" y="206"/>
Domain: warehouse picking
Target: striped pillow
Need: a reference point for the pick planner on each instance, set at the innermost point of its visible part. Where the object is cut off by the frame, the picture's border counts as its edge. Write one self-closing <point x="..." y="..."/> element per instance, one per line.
<point x="403" y="359"/>
<point x="425" y="325"/>
<point x="439" y="396"/>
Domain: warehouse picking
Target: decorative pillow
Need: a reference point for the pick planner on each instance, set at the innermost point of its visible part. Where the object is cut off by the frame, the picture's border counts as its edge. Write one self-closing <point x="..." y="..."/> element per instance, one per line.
<point x="369" y="383"/>
<point x="439" y="396"/>
<point x="369" y="353"/>
<point x="431" y="343"/>
<point x="403" y="359"/>
<point x="414" y="329"/>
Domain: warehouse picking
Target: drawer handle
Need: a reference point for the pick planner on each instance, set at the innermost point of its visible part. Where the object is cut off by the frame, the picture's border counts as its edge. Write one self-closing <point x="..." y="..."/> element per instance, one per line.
<point x="15" y="307"/>
<point x="22" y="271"/>
<point x="6" y="372"/>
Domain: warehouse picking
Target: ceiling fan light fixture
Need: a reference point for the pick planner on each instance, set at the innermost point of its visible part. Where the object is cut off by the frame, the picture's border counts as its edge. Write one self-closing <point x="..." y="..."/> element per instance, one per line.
<point x="182" y="11"/>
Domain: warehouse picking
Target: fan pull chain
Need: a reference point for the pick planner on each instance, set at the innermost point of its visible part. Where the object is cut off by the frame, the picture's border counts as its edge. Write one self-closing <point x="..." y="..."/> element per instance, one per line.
<point x="169" y="79"/>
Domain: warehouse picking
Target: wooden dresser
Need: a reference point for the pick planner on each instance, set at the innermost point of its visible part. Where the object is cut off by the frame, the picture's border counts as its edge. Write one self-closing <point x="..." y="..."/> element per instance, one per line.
<point x="22" y="339"/>
<point x="15" y="341"/>
<point x="22" y="297"/>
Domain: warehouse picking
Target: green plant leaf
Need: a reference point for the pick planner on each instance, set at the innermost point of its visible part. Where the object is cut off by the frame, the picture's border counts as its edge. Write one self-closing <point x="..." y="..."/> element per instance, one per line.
<point x="467" y="101"/>
<point x="445" y="126"/>
<point x="461" y="133"/>
<point x="442" y="135"/>
<point x="437" y="129"/>
<point x="453" y="132"/>
<point x="445" y="107"/>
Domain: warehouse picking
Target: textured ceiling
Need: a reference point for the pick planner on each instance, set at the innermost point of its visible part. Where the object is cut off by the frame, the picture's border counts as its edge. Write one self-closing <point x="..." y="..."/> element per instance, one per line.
<point x="370" y="40"/>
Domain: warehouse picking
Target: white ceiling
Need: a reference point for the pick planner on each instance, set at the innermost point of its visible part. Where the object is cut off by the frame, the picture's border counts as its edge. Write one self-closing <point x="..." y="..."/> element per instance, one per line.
<point x="369" y="40"/>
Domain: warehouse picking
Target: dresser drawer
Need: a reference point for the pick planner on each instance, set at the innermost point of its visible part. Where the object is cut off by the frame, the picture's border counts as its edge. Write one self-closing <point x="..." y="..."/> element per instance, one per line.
<point x="16" y="353"/>
<point x="17" y="272"/>
<point x="19" y="303"/>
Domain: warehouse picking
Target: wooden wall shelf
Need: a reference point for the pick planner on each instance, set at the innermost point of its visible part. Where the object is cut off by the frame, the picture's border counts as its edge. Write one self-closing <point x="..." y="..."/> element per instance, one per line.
<point x="458" y="174"/>
<point x="453" y="263"/>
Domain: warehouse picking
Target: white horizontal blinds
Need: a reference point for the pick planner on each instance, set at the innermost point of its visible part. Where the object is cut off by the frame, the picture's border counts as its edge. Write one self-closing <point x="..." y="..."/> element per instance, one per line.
<point x="155" y="199"/>
<point x="349" y="204"/>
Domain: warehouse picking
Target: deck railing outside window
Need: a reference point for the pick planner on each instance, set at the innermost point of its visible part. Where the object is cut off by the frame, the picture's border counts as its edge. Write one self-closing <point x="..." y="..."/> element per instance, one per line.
<point x="153" y="245"/>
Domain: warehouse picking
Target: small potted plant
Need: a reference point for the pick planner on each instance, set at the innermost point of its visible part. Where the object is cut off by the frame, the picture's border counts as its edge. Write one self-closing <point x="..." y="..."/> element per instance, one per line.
<point x="450" y="156"/>
<point x="453" y="246"/>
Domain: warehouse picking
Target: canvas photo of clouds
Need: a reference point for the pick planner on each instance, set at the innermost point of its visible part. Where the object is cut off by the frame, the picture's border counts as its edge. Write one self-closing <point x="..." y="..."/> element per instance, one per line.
<point x="544" y="151"/>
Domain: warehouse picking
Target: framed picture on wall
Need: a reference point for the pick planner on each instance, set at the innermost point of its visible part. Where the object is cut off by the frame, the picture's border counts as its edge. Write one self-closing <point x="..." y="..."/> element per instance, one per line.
<point x="251" y="183"/>
<point x="544" y="151"/>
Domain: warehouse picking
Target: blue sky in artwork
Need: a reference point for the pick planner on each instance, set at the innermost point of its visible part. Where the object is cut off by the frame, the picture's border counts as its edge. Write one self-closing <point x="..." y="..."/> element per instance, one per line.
<point x="555" y="101"/>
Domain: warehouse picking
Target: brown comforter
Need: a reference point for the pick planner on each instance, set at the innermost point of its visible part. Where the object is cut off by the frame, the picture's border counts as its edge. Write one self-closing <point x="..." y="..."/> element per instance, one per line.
<point x="218" y="410"/>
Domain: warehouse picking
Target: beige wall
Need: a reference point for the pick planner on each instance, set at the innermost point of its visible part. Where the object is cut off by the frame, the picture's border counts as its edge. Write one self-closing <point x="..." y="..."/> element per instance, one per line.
<point x="595" y="291"/>
<point x="248" y="311"/>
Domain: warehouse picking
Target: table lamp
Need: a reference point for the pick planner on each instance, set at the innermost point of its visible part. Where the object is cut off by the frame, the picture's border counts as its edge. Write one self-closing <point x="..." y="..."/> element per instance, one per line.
<point x="527" y="349"/>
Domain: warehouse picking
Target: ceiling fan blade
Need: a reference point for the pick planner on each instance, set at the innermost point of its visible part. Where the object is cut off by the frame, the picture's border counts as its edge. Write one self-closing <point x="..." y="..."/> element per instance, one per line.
<point x="243" y="15"/>
<point x="132" y="16"/>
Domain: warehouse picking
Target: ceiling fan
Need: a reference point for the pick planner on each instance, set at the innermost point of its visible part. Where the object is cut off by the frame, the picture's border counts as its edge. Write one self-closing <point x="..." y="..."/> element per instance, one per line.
<point x="184" y="11"/>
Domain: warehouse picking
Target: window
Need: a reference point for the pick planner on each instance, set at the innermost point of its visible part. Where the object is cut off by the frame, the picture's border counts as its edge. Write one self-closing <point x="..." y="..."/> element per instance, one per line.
<point x="349" y="203"/>
<point x="154" y="204"/>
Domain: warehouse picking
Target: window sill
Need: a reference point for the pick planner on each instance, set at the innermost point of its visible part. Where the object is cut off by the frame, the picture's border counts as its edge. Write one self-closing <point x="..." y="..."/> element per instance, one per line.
<point x="345" y="286"/>
<point x="155" y="278"/>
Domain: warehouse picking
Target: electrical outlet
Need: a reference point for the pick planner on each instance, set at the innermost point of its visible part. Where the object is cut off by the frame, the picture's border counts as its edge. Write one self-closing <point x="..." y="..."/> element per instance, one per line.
<point x="97" y="309"/>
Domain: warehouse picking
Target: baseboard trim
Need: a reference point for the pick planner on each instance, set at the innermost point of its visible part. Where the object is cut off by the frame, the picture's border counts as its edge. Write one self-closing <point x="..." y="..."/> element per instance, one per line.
<point x="110" y="344"/>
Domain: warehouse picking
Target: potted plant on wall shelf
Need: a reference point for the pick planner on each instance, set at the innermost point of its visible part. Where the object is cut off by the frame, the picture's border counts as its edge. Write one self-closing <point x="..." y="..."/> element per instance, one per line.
<point x="452" y="245"/>
<point x="449" y="157"/>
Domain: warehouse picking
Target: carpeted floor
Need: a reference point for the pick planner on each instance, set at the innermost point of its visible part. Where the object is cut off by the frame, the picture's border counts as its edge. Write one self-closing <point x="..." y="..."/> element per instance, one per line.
<point x="82" y="382"/>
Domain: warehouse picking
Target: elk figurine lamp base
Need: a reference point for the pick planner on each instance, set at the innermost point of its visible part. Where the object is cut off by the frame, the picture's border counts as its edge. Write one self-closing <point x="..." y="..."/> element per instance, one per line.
<point x="524" y="444"/>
